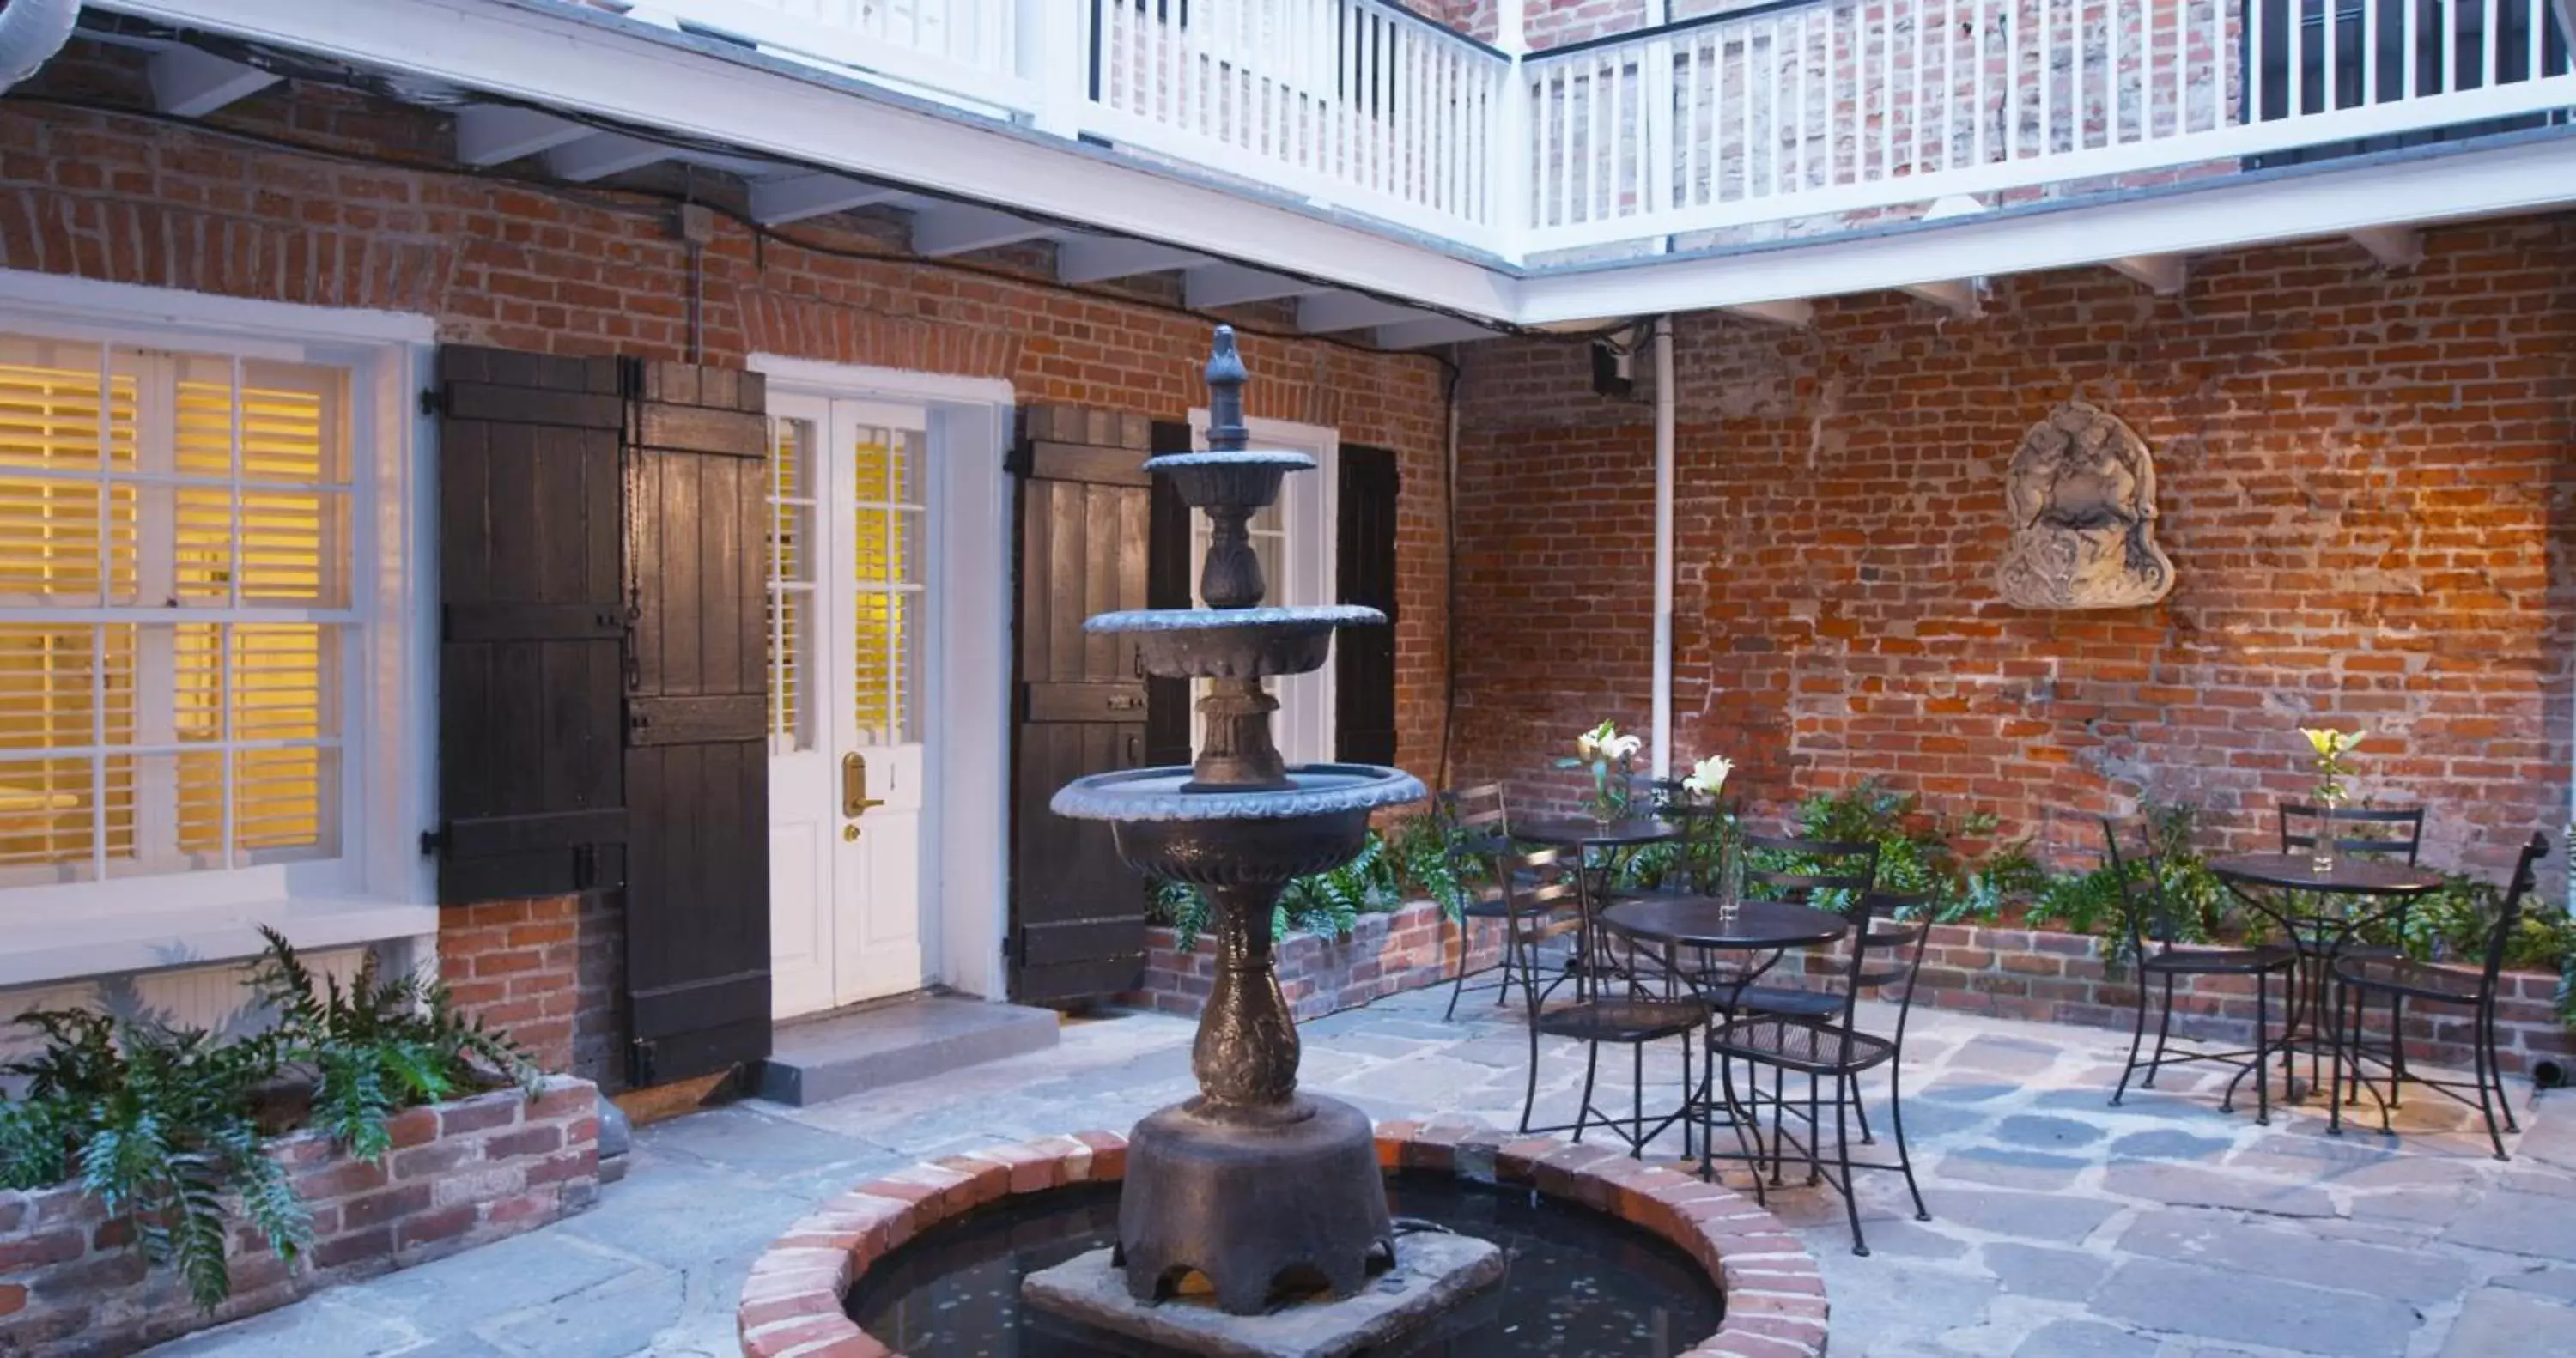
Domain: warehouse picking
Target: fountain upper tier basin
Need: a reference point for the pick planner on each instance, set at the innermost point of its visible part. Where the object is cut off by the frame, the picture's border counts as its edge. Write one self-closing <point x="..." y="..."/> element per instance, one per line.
<point x="1243" y="478"/>
<point x="1237" y="838"/>
<point x="1234" y="643"/>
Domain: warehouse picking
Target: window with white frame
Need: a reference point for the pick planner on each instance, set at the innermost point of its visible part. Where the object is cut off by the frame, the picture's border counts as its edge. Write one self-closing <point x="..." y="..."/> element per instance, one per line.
<point x="1293" y="538"/>
<point x="181" y="609"/>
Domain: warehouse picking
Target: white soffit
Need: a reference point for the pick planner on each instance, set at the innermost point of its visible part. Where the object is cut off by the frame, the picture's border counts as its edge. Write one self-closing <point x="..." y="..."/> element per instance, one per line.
<point x="591" y="67"/>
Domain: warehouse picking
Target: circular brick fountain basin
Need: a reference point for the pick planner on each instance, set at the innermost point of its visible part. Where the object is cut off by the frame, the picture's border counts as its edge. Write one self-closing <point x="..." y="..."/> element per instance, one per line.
<point x="793" y="1305"/>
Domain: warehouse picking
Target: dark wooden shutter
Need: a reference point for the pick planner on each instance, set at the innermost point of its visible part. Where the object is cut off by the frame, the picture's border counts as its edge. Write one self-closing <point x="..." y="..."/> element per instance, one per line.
<point x="1170" y="572"/>
<point x="1077" y="910"/>
<point x="697" y="763"/>
<point x="531" y="790"/>
<point x="1364" y="657"/>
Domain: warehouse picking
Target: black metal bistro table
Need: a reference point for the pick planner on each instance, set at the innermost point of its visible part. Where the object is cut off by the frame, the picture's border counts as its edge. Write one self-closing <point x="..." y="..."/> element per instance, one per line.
<point x="1767" y="929"/>
<point x="2275" y="885"/>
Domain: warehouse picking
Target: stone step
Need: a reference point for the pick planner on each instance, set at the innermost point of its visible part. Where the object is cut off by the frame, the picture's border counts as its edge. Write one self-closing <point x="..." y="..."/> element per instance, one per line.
<point x="830" y="1056"/>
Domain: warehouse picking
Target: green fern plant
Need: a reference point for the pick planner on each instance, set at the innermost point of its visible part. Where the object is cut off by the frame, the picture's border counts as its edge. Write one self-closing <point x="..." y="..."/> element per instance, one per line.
<point x="159" y="1124"/>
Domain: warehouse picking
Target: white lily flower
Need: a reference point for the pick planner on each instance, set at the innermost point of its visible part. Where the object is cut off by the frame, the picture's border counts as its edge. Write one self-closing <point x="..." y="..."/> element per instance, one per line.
<point x="1621" y="747"/>
<point x="1709" y="775"/>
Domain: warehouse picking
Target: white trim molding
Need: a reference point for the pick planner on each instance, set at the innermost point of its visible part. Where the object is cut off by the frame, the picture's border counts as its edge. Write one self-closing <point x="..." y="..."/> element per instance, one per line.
<point x="379" y="887"/>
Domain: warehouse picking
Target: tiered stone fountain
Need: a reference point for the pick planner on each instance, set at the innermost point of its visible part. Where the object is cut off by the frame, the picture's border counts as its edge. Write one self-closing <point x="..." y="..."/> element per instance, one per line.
<point x="1261" y="1189"/>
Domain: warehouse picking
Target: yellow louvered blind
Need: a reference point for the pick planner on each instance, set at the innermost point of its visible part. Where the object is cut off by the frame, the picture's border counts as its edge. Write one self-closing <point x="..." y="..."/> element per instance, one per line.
<point x="791" y="582"/>
<point x="886" y="524"/>
<point x="195" y="510"/>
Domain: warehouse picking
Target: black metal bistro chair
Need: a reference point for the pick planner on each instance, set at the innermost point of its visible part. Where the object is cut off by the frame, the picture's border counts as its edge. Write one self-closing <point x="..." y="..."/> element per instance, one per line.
<point x="1544" y="901"/>
<point x="2159" y="953"/>
<point x="2395" y="832"/>
<point x="1479" y="834"/>
<point x="1882" y="952"/>
<point x="2360" y="977"/>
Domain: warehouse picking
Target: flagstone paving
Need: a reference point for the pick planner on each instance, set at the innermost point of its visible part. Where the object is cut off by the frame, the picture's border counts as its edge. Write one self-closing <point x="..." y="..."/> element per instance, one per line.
<point x="2062" y="1227"/>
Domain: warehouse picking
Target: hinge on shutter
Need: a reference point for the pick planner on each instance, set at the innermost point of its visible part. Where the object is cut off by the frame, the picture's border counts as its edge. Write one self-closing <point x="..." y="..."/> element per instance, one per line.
<point x="639" y="1064"/>
<point x="433" y="400"/>
<point x="433" y="843"/>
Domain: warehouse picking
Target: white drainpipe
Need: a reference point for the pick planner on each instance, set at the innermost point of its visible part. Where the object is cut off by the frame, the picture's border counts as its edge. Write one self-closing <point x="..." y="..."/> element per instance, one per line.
<point x="1663" y="678"/>
<point x="31" y="32"/>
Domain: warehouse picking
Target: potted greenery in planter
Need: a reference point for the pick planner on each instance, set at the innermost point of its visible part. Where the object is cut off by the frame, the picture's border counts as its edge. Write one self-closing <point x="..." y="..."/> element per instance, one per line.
<point x="170" y="1127"/>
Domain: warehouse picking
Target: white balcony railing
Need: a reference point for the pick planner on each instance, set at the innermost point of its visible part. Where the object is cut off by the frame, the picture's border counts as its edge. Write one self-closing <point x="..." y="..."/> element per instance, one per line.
<point x="1800" y="110"/>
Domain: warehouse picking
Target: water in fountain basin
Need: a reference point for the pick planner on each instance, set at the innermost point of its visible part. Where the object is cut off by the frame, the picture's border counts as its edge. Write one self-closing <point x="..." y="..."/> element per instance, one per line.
<point x="1581" y="1285"/>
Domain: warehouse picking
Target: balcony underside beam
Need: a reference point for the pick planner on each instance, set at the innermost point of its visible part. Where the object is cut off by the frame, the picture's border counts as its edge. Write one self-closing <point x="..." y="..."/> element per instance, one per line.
<point x="793" y="198"/>
<point x="1099" y="259"/>
<point x="602" y="154"/>
<point x="2163" y="275"/>
<point x="2531" y="174"/>
<point x="955" y="230"/>
<point x="191" y="84"/>
<point x="1433" y="330"/>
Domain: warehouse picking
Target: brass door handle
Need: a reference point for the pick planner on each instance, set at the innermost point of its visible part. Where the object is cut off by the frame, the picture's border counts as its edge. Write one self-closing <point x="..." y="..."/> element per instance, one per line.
<point x="855" y="800"/>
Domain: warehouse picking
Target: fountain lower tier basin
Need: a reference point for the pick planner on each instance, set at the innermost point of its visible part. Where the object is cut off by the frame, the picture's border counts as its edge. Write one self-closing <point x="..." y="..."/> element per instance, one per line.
<point x="1442" y="1286"/>
<point x="1233" y="643"/>
<point x="1238" y="838"/>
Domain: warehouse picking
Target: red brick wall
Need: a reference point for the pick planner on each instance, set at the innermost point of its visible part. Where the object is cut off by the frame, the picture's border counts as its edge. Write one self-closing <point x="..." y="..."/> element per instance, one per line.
<point x="103" y="196"/>
<point x="2366" y="488"/>
<point x="464" y="1173"/>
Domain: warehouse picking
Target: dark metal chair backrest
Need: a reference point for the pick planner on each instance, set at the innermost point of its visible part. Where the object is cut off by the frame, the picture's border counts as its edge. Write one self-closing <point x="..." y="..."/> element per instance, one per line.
<point x="2145" y="911"/>
<point x="1884" y="949"/>
<point x="1700" y="819"/>
<point x="1848" y="867"/>
<point x="1542" y="899"/>
<point x="1480" y="828"/>
<point x="2389" y="829"/>
<point x="2526" y="876"/>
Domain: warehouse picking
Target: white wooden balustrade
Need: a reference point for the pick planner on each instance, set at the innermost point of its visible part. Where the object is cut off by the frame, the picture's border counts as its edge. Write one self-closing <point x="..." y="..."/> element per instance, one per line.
<point x="1802" y="111"/>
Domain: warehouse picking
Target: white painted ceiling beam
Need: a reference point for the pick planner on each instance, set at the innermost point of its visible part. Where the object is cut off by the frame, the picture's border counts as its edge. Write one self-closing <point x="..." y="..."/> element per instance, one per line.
<point x="1098" y="259"/>
<point x="795" y="197"/>
<point x="1796" y="313"/>
<point x="2395" y="247"/>
<point x="1432" y="330"/>
<point x="192" y="84"/>
<point x="2163" y="275"/>
<point x="495" y="134"/>
<point x="1351" y="311"/>
<point x="1958" y="296"/>
<point x="602" y="154"/>
<point x="956" y="229"/>
<point x="1212" y="285"/>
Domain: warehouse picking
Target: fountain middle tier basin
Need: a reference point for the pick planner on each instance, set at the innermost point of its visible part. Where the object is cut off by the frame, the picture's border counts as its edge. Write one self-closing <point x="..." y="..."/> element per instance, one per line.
<point x="1233" y="643"/>
<point x="1222" y="838"/>
<point x="1242" y="478"/>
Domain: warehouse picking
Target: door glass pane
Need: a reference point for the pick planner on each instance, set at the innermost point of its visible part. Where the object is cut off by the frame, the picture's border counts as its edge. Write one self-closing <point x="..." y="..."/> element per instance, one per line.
<point x="886" y="527"/>
<point x="792" y="553"/>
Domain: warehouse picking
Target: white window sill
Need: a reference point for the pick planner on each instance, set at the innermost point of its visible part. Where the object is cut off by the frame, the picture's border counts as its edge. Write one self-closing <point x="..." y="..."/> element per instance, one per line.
<point x="60" y="949"/>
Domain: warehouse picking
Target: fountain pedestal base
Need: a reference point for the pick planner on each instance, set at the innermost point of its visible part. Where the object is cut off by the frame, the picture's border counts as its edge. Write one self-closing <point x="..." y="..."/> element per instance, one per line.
<point x="1443" y="1286"/>
<point x="1258" y="1201"/>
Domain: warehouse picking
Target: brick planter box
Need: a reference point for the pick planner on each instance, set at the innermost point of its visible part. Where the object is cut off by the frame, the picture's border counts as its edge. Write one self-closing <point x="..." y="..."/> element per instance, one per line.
<point x="2068" y="978"/>
<point x="792" y="1305"/>
<point x="460" y="1174"/>
<point x="1386" y="954"/>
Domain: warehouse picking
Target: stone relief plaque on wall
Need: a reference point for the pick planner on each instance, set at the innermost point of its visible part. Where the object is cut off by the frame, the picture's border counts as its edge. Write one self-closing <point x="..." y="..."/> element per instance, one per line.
<point x="2082" y="494"/>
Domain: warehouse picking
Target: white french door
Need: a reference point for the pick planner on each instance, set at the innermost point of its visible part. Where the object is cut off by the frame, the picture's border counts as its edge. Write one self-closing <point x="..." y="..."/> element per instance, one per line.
<point x="848" y="605"/>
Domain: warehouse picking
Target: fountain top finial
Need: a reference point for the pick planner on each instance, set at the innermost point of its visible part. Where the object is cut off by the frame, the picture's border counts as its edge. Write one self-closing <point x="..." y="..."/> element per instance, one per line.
<point x="1225" y="379"/>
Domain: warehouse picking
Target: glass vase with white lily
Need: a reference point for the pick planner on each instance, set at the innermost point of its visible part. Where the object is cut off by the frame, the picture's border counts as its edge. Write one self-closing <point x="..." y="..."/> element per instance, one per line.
<point x="1706" y="780"/>
<point x="2329" y="747"/>
<point x="1602" y="750"/>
